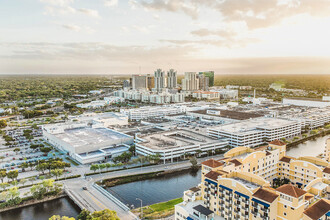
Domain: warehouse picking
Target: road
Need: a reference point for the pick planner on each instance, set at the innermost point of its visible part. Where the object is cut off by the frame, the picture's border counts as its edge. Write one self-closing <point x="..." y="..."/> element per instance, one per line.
<point x="93" y="200"/>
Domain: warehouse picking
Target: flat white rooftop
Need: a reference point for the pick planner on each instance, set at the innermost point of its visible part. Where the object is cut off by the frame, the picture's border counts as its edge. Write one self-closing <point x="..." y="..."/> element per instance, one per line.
<point x="252" y="126"/>
<point x="80" y="137"/>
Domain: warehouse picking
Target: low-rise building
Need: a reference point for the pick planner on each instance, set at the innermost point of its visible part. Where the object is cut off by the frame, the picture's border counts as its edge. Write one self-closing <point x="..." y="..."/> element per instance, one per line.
<point x="206" y="95"/>
<point x="176" y="143"/>
<point x="256" y="131"/>
<point x="306" y="102"/>
<point x="87" y="143"/>
<point x="137" y="114"/>
<point x="161" y="96"/>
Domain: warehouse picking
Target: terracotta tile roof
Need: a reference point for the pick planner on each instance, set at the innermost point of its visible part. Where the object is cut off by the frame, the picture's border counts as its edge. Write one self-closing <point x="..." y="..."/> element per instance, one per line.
<point x="236" y="162"/>
<point x="225" y="158"/>
<point x="212" y="163"/>
<point x="318" y="210"/>
<point x="291" y="190"/>
<point x="285" y="159"/>
<point x="277" y="142"/>
<point x="326" y="170"/>
<point x="212" y="175"/>
<point x="265" y="195"/>
<point x="309" y="196"/>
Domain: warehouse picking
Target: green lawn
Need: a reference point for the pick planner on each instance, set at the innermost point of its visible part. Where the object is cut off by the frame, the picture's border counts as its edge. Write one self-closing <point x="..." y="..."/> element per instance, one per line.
<point x="159" y="210"/>
<point x="165" y="205"/>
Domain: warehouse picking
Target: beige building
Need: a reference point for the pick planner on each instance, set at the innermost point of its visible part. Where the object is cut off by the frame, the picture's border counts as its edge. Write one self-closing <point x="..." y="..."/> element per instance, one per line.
<point x="242" y="186"/>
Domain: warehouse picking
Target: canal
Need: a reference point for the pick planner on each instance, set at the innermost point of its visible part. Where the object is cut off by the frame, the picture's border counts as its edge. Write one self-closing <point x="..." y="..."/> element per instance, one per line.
<point x="150" y="191"/>
<point x="43" y="211"/>
<point x="309" y="148"/>
<point x="156" y="190"/>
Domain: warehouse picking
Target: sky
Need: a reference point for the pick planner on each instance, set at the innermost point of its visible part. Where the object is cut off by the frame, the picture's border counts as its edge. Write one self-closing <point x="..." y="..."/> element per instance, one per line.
<point x="139" y="36"/>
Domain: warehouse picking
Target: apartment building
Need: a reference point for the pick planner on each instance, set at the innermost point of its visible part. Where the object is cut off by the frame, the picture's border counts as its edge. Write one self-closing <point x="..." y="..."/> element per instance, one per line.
<point x="190" y="82"/>
<point x="210" y="76"/>
<point x="206" y="95"/>
<point x="327" y="151"/>
<point x="139" y="82"/>
<point x="138" y="114"/>
<point x="150" y="97"/>
<point x="172" y="79"/>
<point x="318" y="211"/>
<point x="256" y="131"/>
<point x="239" y="187"/>
<point x="160" y="80"/>
<point x="203" y="82"/>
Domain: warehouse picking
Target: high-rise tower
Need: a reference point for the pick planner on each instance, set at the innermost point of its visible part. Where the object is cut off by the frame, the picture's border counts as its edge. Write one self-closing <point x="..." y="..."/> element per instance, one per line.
<point x="171" y="79"/>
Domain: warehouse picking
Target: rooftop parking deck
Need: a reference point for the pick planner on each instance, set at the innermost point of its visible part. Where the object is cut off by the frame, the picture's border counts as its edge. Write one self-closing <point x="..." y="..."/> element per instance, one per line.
<point x="175" y="138"/>
<point x="253" y="125"/>
<point x="230" y="114"/>
<point x="79" y="137"/>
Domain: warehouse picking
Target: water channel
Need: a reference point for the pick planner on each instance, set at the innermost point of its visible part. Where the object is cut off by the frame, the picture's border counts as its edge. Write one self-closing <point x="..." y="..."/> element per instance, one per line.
<point x="43" y="211"/>
<point x="150" y="191"/>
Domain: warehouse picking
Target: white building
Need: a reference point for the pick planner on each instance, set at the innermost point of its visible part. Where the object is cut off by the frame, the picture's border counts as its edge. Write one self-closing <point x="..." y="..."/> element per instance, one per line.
<point x="276" y="86"/>
<point x="326" y="98"/>
<point x="95" y="92"/>
<point x="190" y="82"/>
<point x="206" y="95"/>
<point x="138" y="114"/>
<point x="151" y="97"/>
<point x="113" y="99"/>
<point x="160" y="80"/>
<point x="176" y="143"/>
<point x="93" y="104"/>
<point x="226" y="93"/>
<point x="257" y="131"/>
<point x="87" y="144"/>
<point x="172" y="79"/>
<point x="306" y="102"/>
<point x="311" y="118"/>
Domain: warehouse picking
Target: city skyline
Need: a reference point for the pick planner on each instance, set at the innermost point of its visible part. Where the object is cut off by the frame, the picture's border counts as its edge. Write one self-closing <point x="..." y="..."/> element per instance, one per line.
<point x="139" y="36"/>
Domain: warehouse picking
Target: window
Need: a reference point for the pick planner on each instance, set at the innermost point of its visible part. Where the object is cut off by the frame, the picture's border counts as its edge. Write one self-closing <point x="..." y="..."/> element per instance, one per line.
<point x="284" y="213"/>
<point x="285" y="206"/>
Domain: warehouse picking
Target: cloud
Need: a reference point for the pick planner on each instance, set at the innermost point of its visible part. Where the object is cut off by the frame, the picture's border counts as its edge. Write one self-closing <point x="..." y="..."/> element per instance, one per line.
<point x="184" y="6"/>
<point x="89" y="12"/>
<point x="254" y="13"/>
<point x="142" y="29"/>
<point x="266" y="13"/>
<point x="54" y="11"/>
<point x="227" y="43"/>
<point x="221" y="33"/>
<point x="57" y="2"/>
<point x="71" y="27"/>
<point x="111" y="3"/>
<point x="77" y="28"/>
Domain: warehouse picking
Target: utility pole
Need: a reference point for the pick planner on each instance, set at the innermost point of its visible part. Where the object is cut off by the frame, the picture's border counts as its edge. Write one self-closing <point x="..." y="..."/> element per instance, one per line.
<point x="141" y="215"/>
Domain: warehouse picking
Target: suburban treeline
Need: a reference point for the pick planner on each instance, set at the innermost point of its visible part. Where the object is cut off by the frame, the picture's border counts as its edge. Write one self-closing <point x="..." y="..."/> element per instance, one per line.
<point x="15" y="88"/>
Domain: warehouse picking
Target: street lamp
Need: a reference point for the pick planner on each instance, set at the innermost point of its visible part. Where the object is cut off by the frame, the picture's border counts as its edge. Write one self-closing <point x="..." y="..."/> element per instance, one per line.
<point x="141" y="215"/>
